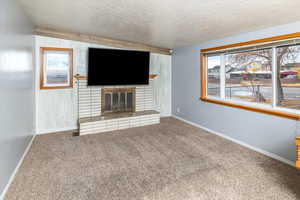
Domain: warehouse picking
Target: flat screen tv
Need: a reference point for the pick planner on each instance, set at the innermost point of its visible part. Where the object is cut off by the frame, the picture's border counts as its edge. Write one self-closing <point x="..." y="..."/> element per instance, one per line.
<point x="117" y="67"/>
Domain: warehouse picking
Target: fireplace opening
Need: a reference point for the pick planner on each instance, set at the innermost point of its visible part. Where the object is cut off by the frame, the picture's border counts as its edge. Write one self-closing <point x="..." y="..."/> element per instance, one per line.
<point x="117" y="100"/>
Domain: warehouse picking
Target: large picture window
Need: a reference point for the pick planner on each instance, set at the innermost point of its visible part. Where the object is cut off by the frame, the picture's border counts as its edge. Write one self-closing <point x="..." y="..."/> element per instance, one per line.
<point x="262" y="76"/>
<point x="56" y="68"/>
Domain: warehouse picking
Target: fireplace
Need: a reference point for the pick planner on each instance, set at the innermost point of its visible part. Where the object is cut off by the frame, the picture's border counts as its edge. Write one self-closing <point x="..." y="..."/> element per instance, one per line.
<point x="98" y="107"/>
<point x="117" y="100"/>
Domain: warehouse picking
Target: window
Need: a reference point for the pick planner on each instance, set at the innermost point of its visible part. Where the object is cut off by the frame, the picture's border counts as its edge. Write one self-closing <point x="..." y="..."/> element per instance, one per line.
<point x="213" y="75"/>
<point x="56" y="68"/>
<point x="288" y="89"/>
<point x="249" y="76"/>
<point x="261" y="75"/>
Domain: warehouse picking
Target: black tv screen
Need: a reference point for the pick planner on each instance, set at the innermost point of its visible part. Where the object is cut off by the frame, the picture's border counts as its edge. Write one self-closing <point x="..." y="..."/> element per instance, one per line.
<point x="117" y="67"/>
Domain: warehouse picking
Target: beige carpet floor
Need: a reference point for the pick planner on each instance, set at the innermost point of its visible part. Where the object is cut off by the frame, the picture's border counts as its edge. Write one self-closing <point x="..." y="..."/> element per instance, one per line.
<point x="169" y="161"/>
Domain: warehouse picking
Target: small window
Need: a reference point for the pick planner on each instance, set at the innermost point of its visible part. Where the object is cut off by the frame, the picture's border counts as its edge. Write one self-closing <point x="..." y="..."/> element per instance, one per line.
<point x="56" y="68"/>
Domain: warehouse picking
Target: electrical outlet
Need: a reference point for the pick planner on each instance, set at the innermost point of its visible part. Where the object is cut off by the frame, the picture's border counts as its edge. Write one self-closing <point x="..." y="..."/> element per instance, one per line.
<point x="178" y="109"/>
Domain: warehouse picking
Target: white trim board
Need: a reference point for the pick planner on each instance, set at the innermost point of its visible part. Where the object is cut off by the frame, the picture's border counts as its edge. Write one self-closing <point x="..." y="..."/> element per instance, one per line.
<point x="56" y="130"/>
<point x="17" y="168"/>
<point x="272" y="155"/>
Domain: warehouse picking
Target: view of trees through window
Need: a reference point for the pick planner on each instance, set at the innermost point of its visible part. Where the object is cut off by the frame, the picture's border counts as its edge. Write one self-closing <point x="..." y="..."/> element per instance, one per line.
<point x="248" y="76"/>
<point x="288" y="58"/>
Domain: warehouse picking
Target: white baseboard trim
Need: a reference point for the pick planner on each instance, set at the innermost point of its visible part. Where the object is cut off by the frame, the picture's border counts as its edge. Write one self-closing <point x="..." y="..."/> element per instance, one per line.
<point x="272" y="155"/>
<point x="168" y="115"/>
<point x="17" y="168"/>
<point x="56" y="130"/>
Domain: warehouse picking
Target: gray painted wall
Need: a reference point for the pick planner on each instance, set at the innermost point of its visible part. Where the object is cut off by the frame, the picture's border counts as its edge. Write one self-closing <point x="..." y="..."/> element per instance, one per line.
<point x="16" y="87"/>
<point x="273" y="134"/>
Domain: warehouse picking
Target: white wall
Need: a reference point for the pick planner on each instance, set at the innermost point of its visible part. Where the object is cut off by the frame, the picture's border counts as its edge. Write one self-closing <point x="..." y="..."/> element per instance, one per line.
<point x="56" y="110"/>
<point x="265" y="132"/>
<point x="161" y="65"/>
<point x="16" y="88"/>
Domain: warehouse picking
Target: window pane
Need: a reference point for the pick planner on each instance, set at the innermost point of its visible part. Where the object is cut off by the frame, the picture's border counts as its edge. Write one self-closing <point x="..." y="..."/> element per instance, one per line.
<point x="288" y="73"/>
<point x="56" y="68"/>
<point x="213" y="75"/>
<point x="249" y="76"/>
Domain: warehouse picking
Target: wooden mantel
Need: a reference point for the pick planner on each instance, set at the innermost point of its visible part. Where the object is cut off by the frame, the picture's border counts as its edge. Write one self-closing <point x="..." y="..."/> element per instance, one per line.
<point x="152" y="76"/>
<point x="83" y="77"/>
<point x="298" y="152"/>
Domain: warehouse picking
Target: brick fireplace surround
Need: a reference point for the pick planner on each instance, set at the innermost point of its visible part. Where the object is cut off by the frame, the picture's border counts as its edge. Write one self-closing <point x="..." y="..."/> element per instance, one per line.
<point x="93" y="119"/>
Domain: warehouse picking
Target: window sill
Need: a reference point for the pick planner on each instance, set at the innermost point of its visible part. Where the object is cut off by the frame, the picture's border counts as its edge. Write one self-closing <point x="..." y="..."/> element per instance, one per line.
<point x="278" y="113"/>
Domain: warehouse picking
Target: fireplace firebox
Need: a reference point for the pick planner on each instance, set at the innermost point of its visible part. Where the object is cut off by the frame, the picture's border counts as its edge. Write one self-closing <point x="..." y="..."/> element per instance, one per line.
<point x="117" y="100"/>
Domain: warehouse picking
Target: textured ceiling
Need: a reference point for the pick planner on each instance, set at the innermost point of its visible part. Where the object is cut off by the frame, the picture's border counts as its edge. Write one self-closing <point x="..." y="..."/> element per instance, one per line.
<point x="161" y="23"/>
